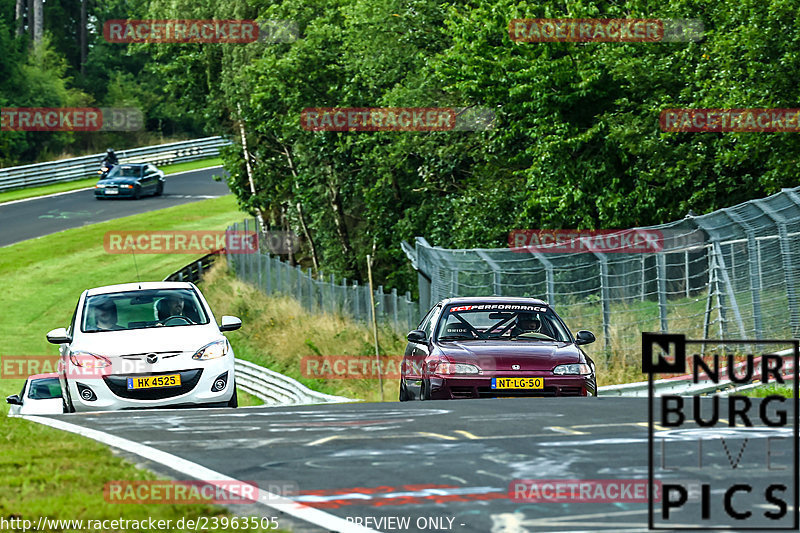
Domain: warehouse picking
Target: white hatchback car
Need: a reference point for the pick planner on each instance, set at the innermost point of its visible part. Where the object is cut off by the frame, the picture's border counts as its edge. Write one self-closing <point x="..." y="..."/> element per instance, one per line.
<point x="145" y="345"/>
<point x="41" y="395"/>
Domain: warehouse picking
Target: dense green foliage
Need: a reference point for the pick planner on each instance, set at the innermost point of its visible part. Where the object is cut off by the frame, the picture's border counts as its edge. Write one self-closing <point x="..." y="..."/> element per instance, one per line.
<point x="576" y="142"/>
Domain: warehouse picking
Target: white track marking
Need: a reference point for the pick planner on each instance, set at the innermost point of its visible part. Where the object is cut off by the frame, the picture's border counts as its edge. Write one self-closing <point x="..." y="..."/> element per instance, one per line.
<point x="197" y="471"/>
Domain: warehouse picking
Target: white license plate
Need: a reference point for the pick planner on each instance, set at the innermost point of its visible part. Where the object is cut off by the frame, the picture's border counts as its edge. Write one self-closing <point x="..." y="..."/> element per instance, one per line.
<point x="112" y="191"/>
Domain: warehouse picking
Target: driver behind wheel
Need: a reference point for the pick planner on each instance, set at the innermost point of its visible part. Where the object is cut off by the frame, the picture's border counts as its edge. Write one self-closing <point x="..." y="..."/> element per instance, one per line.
<point x="171" y="305"/>
<point x="526" y="323"/>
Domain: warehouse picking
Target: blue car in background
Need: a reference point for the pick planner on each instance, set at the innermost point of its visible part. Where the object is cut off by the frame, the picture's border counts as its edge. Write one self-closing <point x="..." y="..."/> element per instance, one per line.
<point x="132" y="181"/>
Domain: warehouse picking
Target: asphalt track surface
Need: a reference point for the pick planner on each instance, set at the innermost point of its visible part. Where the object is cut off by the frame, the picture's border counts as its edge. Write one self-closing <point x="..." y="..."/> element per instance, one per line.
<point x="20" y="221"/>
<point x="448" y="465"/>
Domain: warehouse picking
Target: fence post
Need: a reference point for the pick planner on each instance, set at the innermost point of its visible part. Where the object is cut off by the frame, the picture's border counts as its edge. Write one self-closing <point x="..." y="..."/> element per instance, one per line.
<point x="786" y="259"/>
<point x="299" y="284"/>
<point x="753" y="270"/>
<point x="246" y="260"/>
<point x="410" y="310"/>
<point x="686" y="270"/>
<point x="269" y="273"/>
<point x="258" y="267"/>
<point x="356" y="300"/>
<point x="661" y="277"/>
<point x="549" y="281"/>
<point x="394" y="308"/>
<point x="605" y="297"/>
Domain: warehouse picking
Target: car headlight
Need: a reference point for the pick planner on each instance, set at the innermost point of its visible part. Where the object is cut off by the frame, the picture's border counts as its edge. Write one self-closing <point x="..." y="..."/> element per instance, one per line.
<point x="456" y="368"/>
<point x="126" y="186"/>
<point x="212" y="351"/>
<point x="88" y="360"/>
<point x="99" y="186"/>
<point x="572" y="370"/>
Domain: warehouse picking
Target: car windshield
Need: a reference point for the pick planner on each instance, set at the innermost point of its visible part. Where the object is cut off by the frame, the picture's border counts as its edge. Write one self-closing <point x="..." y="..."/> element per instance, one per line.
<point x="45" y="389"/>
<point x="503" y="322"/>
<point x="142" y="309"/>
<point x="125" y="171"/>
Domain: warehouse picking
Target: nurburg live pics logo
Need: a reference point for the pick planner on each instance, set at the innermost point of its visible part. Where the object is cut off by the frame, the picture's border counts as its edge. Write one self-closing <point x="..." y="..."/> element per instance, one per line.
<point x="739" y="454"/>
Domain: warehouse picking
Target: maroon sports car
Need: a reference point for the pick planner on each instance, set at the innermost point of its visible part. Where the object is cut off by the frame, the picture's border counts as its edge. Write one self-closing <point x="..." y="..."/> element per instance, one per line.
<point x="493" y="347"/>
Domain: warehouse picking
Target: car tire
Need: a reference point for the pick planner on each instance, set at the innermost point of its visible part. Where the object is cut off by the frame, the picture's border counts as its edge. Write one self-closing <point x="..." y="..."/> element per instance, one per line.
<point x="137" y="193"/>
<point x="403" y="391"/>
<point x="159" y="189"/>
<point x="425" y="390"/>
<point x="234" y="401"/>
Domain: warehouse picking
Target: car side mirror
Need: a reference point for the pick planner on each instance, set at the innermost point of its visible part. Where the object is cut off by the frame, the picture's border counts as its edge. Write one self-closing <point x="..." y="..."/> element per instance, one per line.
<point x="416" y="336"/>
<point x="59" y="336"/>
<point x="230" y="323"/>
<point x="584" y="337"/>
<point x="14" y="400"/>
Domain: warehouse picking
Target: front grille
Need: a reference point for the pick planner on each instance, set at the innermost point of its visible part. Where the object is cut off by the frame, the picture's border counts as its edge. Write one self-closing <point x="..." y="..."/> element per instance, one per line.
<point x="119" y="385"/>
<point x="141" y="356"/>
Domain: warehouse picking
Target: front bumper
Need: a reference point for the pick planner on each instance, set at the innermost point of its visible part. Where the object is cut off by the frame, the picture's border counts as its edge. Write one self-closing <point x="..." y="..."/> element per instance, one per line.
<point x="453" y="387"/>
<point x="104" y="192"/>
<point x="197" y="380"/>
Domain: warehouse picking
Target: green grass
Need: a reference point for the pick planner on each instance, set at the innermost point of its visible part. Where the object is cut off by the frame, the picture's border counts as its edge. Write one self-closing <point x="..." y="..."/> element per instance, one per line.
<point x="771" y="390"/>
<point x="277" y="333"/>
<point x="43" y="471"/>
<point x="20" y="194"/>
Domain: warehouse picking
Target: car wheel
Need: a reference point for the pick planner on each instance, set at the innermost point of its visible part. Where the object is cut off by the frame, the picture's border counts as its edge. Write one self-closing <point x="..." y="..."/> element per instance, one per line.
<point x="403" y="391"/>
<point x="160" y="189"/>
<point x="137" y="192"/>
<point x="234" y="401"/>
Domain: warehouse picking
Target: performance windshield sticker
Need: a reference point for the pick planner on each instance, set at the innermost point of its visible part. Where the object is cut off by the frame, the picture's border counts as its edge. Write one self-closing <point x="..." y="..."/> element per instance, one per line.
<point x="498" y="307"/>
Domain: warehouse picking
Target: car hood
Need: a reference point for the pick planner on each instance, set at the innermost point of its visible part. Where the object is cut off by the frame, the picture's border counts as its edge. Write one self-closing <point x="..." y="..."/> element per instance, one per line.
<point x="146" y="340"/>
<point x="501" y="355"/>
<point x="117" y="181"/>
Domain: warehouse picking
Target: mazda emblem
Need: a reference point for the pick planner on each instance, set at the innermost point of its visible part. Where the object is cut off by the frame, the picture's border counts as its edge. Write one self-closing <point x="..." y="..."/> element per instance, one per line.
<point x="152" y="358"/>
<point x="514" y="367"/>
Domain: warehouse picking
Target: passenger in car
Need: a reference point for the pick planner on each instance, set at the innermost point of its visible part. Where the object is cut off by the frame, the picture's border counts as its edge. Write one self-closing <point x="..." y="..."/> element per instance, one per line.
<point x="105" y="314"/>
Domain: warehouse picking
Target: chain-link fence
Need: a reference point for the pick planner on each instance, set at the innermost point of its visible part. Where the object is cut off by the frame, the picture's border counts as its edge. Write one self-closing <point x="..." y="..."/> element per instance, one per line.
<point x="732" y="273"/>
<point x="321" y="294"/>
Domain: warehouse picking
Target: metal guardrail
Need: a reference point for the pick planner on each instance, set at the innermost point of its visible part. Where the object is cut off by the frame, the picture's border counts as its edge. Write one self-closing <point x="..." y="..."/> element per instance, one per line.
<point x="683" y="386"/>
<point x="276" y="389"/>
<point x="194" y="271"/>
<point x="78" y="168"/>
